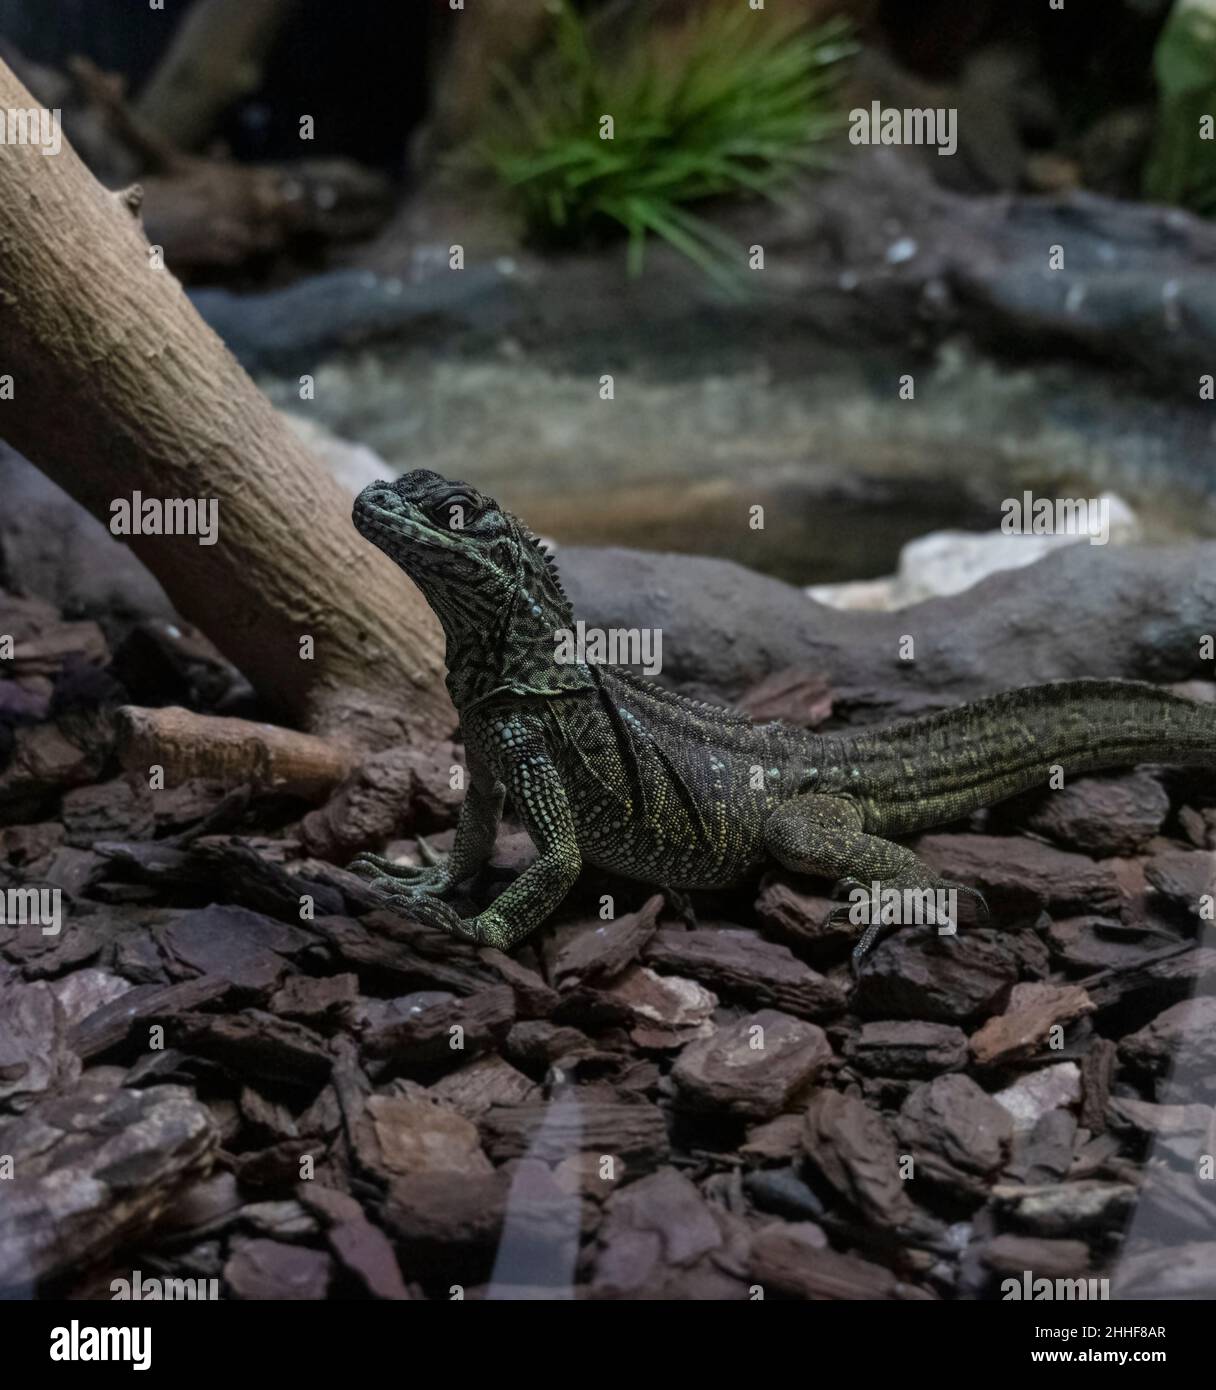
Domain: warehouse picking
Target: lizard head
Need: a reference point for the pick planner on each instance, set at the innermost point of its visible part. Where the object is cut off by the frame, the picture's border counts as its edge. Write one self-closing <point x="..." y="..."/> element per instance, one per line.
<point x="491" y="583"/>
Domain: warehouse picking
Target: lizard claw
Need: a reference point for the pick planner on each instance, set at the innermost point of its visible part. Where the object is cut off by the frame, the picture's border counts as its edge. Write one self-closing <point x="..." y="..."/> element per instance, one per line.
<point x="876" y="931"/>
<point x="385" y="875"/>
<point x="433" y="912"/>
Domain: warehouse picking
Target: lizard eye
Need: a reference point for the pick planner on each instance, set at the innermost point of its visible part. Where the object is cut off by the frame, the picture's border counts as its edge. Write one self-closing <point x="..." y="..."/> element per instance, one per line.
<point x="454" y="511"/>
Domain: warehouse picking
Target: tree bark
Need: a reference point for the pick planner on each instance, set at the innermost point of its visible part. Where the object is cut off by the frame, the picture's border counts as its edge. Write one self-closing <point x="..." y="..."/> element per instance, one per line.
<point x="120" y="387"/>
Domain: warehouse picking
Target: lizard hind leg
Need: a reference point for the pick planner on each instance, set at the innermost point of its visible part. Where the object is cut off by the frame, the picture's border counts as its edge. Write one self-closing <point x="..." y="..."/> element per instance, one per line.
<point x="825" y="835"/>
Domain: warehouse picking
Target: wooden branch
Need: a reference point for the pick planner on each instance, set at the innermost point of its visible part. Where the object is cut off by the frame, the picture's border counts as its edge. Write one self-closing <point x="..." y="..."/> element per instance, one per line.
<point x="232" y="751"/>
<point x="106" y="91"/>
<point x="120" y="387"/>
<point x="214" y="59"/>
<point x="209" y="213"/>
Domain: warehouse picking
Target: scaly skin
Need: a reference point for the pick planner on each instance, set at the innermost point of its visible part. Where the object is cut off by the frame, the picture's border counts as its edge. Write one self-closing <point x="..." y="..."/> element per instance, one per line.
<point x="617" y="772"/>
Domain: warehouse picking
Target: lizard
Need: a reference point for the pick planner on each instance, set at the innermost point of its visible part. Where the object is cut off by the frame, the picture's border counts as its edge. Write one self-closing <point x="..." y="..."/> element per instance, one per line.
<point x="608" y="769"/>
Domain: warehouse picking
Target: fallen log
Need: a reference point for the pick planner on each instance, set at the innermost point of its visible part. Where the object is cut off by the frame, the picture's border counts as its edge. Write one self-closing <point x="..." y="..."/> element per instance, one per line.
<point x="235" y="752"/>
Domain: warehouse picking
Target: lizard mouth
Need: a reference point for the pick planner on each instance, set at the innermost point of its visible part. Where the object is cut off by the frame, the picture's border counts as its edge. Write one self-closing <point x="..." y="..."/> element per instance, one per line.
<point x="382" y="517"/>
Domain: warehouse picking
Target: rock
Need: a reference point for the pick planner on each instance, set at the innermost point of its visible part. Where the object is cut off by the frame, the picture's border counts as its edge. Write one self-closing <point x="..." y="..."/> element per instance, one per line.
<point x="46" y="762"/>
<point x="247" y="948"/>
<point x="801" y="698"/>
<point x="1186" y="1271"/>
<point x="321" y="1001"/>
<point x="363" y="1250"/>
<point x="774" y="1141"/>
<point x="782" y="1191"/>
<point x="390" y="793"/>
<point x="1178" y="1046"/>
<point x="224" y="864"/>
<point x="533" y="997"/>
<point x="1184" y="877"/>
<point x="30" y="847"/>
<point x="921" y="975"/>
<point x="538" y="1044"/>
<point x="752" y="1068"/>
<point x="446" y="1224"/>
<point x="1101" y="816"/>
<point x="407" y="954"/>
<point x="65" y="554"/>
<point x="1176" y="976"/>
<point x="1066" y="1208"/>
<point x="950" y="562"/>
<point x="588" y="951"/>
<point x="1194" y="826"/>
<point x="803" y="920"/>
<point x="907" y="1049"/>
<point x="285" y="1220"/>
<point x="401" y="1135"/>
<point x="1100" y="943"/>
<point x="1034" y="1009"/>
<point x="444" y="1034"/>
<point x="660" y="1239"/>
<point x="1044" y="1259"/>
<point x="269" y="1269"/>
<point x="85" y="991"/>
<point x="541" y="1231"/>
<point x="1164" y="1120"/>
<point x="1044" y="1154"/>
<point x="853" y="1150"/>
<point x="117" y="810"/>
<point x="125" y="1015"/>
<point x="35" y="1052"/>
<point x="955" y="1132"/>
<point x="739" y="964"/>
<point x="666" y="1004"/>
<point x="169" y="662"/>
<point x="1039" y="1092"/>
<point x="484" y="1082"/>
<point x="634" y="1135"/>
<point x="795" y="1261"/>
<point x="1097" y="1075"/>
<point x="962" y="651"/>
<point x="255" y="1044"/>
<point x="95" y="1166"/>
<point x="1023" y="876"/>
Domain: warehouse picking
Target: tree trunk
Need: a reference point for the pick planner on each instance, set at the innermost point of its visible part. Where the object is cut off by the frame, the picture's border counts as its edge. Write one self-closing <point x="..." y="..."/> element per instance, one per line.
<point x="119" y="386"/>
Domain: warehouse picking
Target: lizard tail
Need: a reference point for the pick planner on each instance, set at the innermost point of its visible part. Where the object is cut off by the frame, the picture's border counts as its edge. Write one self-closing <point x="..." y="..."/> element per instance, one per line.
<point x="929" y="771"/>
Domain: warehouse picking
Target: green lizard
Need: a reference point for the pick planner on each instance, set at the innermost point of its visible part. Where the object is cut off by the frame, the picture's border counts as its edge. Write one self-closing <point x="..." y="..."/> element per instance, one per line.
<point x="614" y="771"/>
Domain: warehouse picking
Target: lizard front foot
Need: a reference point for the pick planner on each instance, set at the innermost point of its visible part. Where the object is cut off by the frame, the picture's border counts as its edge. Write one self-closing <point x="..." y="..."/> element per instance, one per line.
<point x="426" y="880"/>
<point x="486" y="929"/>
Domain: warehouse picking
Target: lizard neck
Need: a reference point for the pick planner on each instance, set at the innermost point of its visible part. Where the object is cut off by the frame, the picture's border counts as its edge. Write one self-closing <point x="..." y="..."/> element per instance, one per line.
<point x="525" y="663"/>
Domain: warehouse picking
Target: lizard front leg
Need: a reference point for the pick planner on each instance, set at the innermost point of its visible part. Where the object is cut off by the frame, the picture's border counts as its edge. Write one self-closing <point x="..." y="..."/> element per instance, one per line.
<point x="476" y="830"/>
<point x="540" y="800"/>
<point x="822" y="834"/>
